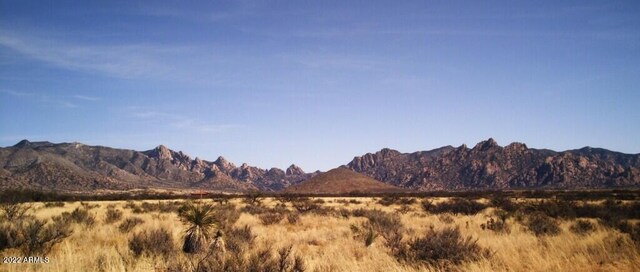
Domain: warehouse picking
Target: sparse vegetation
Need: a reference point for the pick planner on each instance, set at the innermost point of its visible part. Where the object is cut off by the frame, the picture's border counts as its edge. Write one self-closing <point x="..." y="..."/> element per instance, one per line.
<point x="128" y="224"/>
<point x="330" y="235"/>
<point x="582" y="227"/>
<point x="112" y="216"/>
<point x="442" y="248"/>
<point x="454" y="206"/>
<point x="156" y="242"/>
<point x="541" y="224"/>
<point x="271" y="218"/>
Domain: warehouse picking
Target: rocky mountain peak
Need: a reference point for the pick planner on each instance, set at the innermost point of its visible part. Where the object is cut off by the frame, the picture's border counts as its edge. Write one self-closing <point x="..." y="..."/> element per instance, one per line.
<point x="26" y="143"/>
<point x="516" y="146"/>
<point x="161" y="152"/>
<point x="294" y="170"/>
<point x="388" y="153"/>
<point x="486" y="145"/>
<point x="23" y="143"/>
<point x="223" y="164"/>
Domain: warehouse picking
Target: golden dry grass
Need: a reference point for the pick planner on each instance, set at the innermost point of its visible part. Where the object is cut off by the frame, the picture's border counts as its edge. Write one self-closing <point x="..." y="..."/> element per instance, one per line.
<point x="327" y="244"/>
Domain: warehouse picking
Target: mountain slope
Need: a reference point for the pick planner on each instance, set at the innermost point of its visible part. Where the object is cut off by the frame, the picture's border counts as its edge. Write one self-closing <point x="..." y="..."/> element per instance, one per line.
<point x="78" y="167"/>
<point x="339" y="181"/>
<point x="490" y="166"/>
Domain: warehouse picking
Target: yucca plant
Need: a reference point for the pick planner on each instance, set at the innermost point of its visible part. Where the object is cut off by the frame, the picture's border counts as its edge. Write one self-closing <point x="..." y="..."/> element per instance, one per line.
<point x="200" y="220"/>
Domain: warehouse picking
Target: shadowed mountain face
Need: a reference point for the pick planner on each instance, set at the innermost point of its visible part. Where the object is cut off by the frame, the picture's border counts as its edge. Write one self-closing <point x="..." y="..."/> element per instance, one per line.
<point x="490" y="166"/>
<point x="340" y="181"/>
<point x="78" y="167"/>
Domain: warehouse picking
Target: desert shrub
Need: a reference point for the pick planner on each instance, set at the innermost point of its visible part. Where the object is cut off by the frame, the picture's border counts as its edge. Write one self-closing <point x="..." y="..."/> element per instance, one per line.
<point x="200" y="220"/>
<point x="293" y="218"/>
<point x="271" y="218"/>
<point x="397" y="200"/>
<point x="227" y="215"/>
<point x="326" y="211"/>
<point x="112" y="216"/>
<point x="255" y="209"/>
<point x="383" y="222"/>
<point x="541" y="224"/>
<point x="9" y="235"/>
<point x="633" y="230"/>
<point x="455" y="206"/>
<point x="442" y="247"/>
<point x="161" y="207"/>
<point x="81" y="216"/>
<point x="347" y="202"/>
<point x="57" y="204"/>
<point x="14" y="211"/>
<point x="36" y="237"/>
<point x="387" y="225"/>
<point x="404" y="209"/>
<point x="343" y="213"/>
<point x="445" y="218"/>
<point x="503" y="202"/>
<point x="582" y="227"/>
<point x="253" y="198"/>
<point x="553" y="208"/>
<point x="318" y="201"/>
<point x="244" y="234"/>
<point x="221" y="200"/>
<point x="157" y="242"/>
<point x="304" y="205"/>
<point x="498" y="226"/>
<point x="364" y="233"/>
<point x="388" y="200"/>
<point x="89" y="206"/>
<point x="128" y="224"/>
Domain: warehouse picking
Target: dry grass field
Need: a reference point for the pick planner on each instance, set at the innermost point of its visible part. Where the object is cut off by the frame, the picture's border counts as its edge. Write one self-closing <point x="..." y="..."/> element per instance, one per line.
<point x="322" y="234"/>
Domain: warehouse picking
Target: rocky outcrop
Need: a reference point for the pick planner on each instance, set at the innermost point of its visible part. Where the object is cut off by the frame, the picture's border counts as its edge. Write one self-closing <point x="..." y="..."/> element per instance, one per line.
<point x="490" y="166"/>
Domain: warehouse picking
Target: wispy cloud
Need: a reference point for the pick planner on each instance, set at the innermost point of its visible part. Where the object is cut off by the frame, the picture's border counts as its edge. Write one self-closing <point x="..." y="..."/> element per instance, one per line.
<point x="333" y="61"/>
<point x="86" y="98"/>
<point x="41" y="98"/>
<point x="123" y="61"/>
<point x="179" y="121"/>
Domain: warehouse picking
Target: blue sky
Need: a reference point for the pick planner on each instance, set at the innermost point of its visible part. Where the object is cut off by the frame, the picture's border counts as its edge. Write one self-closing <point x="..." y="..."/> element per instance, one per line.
<point x="316" y="83"/>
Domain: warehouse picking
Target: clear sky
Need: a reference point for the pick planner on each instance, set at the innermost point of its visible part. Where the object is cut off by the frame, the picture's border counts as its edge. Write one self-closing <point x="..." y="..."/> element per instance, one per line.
<point x="316" y="83"/>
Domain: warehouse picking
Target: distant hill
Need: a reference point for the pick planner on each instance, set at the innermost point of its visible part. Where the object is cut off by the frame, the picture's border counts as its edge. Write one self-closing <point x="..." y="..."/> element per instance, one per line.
<point x="79" y="167"/>
<point x="489" y="166"/>
<point x="339" y="181"/>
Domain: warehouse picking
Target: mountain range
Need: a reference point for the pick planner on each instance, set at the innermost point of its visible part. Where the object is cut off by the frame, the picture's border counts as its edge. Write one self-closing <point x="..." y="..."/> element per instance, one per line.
<point x="486" y="166"/>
